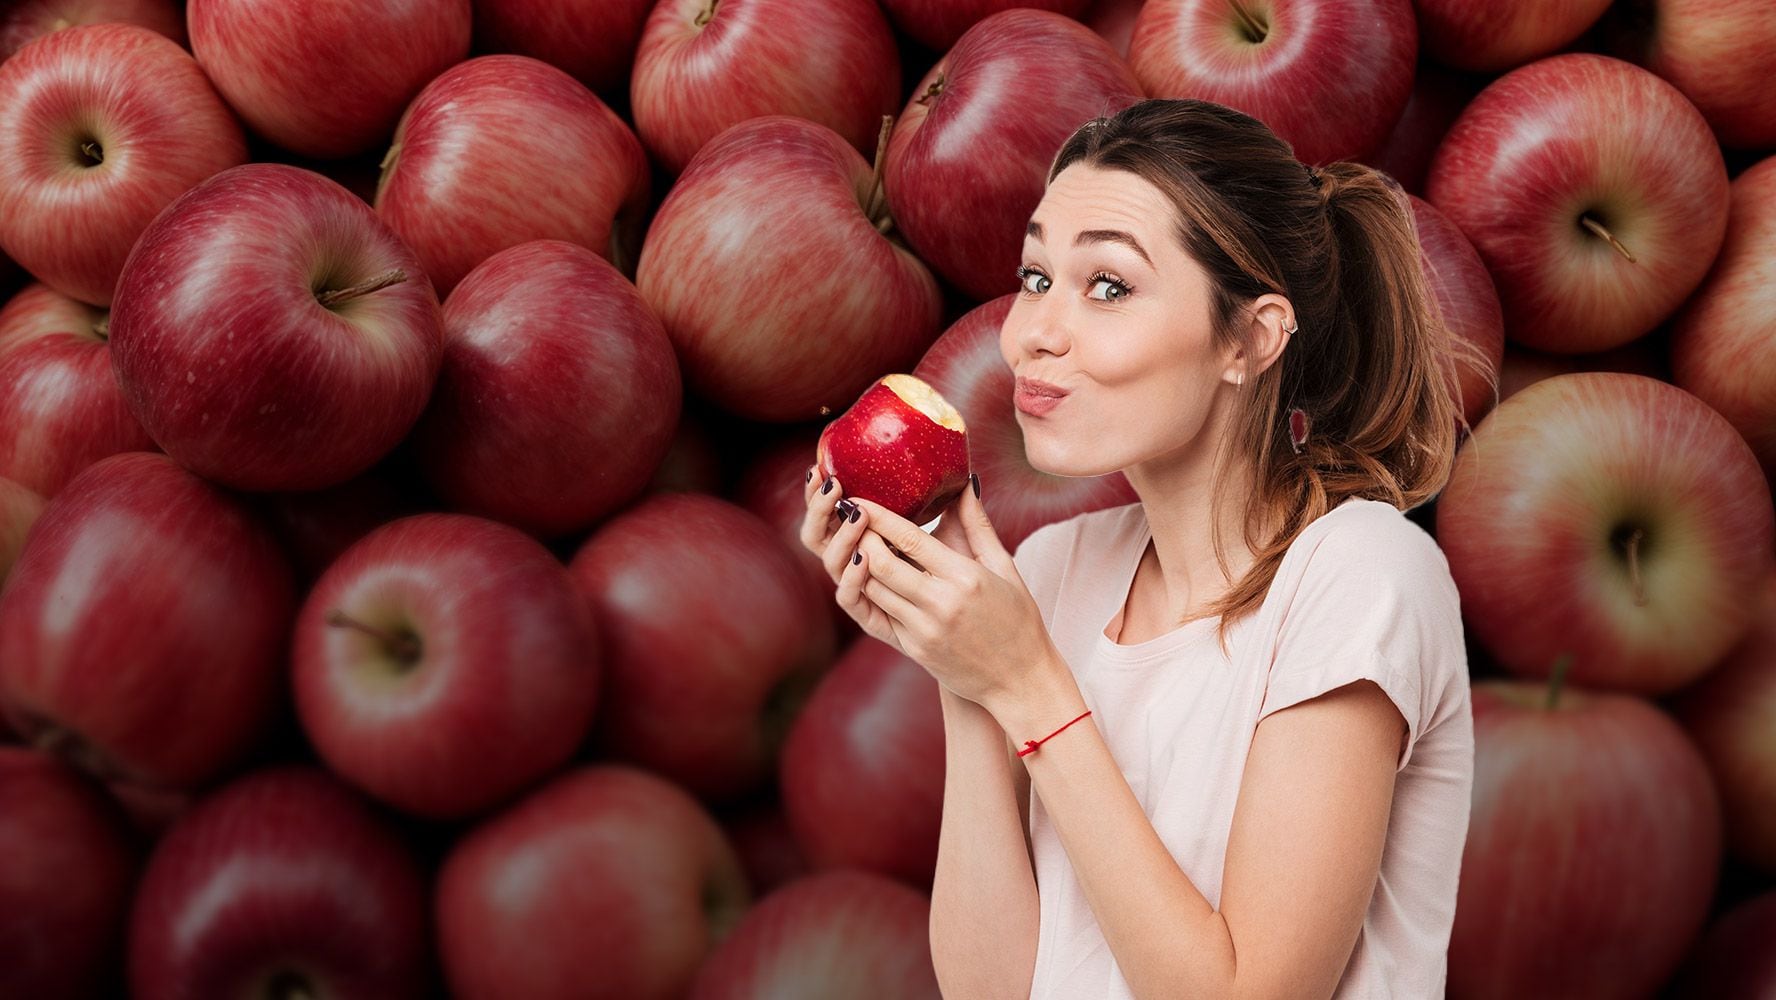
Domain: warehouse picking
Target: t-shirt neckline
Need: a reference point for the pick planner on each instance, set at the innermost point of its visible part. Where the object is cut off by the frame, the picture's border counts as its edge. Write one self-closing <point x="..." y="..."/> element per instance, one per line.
<point x="1165" y="641"/>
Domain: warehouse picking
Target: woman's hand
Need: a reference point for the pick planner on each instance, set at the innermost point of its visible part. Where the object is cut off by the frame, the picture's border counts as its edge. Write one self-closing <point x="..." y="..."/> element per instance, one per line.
<point x="833" y="536"/>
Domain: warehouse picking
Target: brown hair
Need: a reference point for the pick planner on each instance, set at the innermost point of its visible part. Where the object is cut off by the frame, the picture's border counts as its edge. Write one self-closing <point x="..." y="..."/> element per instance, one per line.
<point x="1371" y="362"/>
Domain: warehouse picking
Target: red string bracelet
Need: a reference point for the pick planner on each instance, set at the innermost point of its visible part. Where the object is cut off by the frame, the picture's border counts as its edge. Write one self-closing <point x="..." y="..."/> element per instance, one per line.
<point x="1031" y="745"/>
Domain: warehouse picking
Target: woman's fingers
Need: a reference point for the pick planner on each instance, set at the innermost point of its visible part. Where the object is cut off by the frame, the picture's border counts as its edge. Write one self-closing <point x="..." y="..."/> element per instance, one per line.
<point x="817" y="521"/>
<point x="865" y="612"/>
<point x="843" y="542"/>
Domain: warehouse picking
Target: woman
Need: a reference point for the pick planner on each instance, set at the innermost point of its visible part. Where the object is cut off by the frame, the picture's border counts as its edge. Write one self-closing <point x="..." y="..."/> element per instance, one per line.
<point x="1216" y="743"/>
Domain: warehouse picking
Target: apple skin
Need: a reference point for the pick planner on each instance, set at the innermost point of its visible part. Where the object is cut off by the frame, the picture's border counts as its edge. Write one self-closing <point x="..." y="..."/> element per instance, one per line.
<point x="1731" y="714"/>
<point x="500" y="691"/>
<point x="66" y="885"/>
<point x="843" y="933"/>
<point x="937" y="24"/>
<point x="703" y="66"/>
<point x="502" y="150"/>
<point x="1545" y="146"/>
<point x="1523" y="367"/>
<point x="695" y="594"/>
<point x="1115" y="21"/>
<point x="287" y="878"/>
<point x="1535" y="524"/>
<point x="593" y="41"/>
<point x="966" y="165"/>
<point x="1734" y="958"/>
<point x="230" y="361"/>
<point x="967" y="366"/>
<point x="885" y="450"/>
<point x="1715" y="51"/>
<point x="1490" y="36"/>
<point x="1723" y="342"/>
<point x="317" y="527"/>
<point x="60" y="407"/>
<point x="19" y="509"/>
<point x="862" y="771"/>
<point x="527" y="424"/>
<point x="1468" y="302"/>
<point x="140" y="577"/>
<point x="325" y="78"/>
<point x="1331" y="77"/>
<point x="1593" y="847"/>
<point x="26" y="20"/>
<point x="608" y="882"/>
<point x="1438" y="97"/>
<point x="778" y="202"/>
<point x="67" y="219"/>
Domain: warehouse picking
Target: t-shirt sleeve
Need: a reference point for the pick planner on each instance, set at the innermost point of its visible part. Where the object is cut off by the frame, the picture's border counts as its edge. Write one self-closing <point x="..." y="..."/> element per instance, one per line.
<point x="1375" y="602"/>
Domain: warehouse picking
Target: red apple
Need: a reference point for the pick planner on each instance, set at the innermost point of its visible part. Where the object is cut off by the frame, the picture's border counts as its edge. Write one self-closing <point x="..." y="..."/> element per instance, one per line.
<point x="282" y="884"/>
<point x="771" y="487"/>
<point x="1115" y="21"/>
<point x="142" y="631"/>
<point x="833" y="934"/>
<point x="1330" y="77"/>
<point x="1468" y="303"/>
<point x="100" y="128"/>
<point x="325" y="78"/>
<point x="1723" y="343"/>
<point x="1595" y="222"/>
<point x="1523" y="367"/>
<point x="1593" y="847"/>
<point x="317" y="527"/>
<point x="967" y="165"/>
<point x="272" y="334"/>
<point x="609" y="882"/>
<point x="1734" y="958"/>
<point x="1731" y="713"/>
<point x="1493" y="35"/>
<point x="780" y="202"/>
<point x="19" y="509"/>
<point x="502" y="150"/>
<point x="901" y="445"/>
<point x="60" y="407"/>
<point x="862" y="773"/>
<point x="1438" y="97"/>
<point x="1612" y="517"/>
<point x="26" y="20"/>
<point x="967" y="365"/>
<point x="594" y="40"/>
<point x="937" y="24"/>
<point x="765" y="845"/>
<point x="527" y="424"/>
<point x="444" y="663"/>
<point x="65" y="887"/>
<point x="704" y="65"/>
<point x="1715" y="51"/>
<point x="713" y="638"/>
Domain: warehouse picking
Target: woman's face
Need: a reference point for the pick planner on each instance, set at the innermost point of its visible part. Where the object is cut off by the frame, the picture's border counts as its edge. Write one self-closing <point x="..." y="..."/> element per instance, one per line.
<point x="1113" y="310"/>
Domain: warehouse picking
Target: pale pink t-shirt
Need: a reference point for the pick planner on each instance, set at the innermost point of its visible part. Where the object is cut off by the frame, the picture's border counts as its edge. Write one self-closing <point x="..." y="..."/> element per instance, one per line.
<point x="1362" y="592"/>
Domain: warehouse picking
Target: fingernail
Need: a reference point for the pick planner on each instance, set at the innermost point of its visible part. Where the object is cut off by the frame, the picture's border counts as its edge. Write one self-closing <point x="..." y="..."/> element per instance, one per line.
<point x="974" y="480"/>
<point x="857" y="559"/>
<point x="826" y="487"/>
<point x="809" y="477"/>
<point x="856" y="512"/>
<point x="847" y="510"/>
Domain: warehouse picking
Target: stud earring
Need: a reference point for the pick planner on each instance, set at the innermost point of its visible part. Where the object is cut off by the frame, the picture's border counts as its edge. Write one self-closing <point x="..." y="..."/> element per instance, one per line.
<point x="1240" y="380"/>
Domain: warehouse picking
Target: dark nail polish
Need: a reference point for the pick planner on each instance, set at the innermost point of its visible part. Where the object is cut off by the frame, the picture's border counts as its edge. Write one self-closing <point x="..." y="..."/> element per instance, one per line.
<point x="809" y="477"/>
<point x="856" y="512"/>
<point x="847" y="510"/>
<point x="974" y="480"/>
<point x="857" y="559"/>
<point x="826" y="487"/>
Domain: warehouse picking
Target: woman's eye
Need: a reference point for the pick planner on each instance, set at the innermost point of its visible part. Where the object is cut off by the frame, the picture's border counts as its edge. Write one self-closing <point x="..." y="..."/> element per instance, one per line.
<point x="1034" y="281"/>
<point x="1113" y="290"/>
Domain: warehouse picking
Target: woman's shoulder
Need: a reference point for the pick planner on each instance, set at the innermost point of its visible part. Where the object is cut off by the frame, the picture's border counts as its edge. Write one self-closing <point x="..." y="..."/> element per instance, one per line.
<point x="1371" y="538"/>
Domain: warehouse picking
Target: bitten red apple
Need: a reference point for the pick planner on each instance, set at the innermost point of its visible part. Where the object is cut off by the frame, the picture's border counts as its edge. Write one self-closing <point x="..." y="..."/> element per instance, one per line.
<point x="60" y="407"/>
<point x="768" y="265"/>
<point x="100" y="127"/>
<point x="325" y="78"/>
<point x="271" y="333"/>
<point x="444" y="663"/>
<point x="967" y="163"/>
<point x="25" y="20"/>
<point x="1595" y="193"/>
<point x="19" y="509"/>
<point x="608" y="882"/>
<point x="901" y="445"/>
<point x="283" y="883"/>
<point x="140" y="577"/>
<point x="1613" y="517"/>
<point x="937" y="24"/>
<point x="695" y="594"/>
<point x="1494" y="35"/>
<point x="593" y="42"/>
<point x="1593" y="847"/>
<point x="559" y="393"/>
<point x="1723" y="342"/>
<point x="841" y="933"/>
<point x="1330" y="77"/>
<point x="502" y="150"/>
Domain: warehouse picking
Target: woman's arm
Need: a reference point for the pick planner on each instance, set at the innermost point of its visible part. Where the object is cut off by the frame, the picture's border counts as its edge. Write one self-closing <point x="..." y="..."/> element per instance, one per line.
<point x="983" y="897"/>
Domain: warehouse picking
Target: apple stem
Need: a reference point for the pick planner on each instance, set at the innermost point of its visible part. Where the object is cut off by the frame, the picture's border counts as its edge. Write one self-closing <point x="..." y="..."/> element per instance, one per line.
<point x="1634" y="580"/>
<point x="93" y="151"/>
<point x="936" y="88"/>
<point x="333" y="297"/>
<point x="878" y="203"/>
<point x="68" y="745"/>
<point x="102" y="329"/>
<point x="60" y="23"/>
<point x="707" y="15"/>
<point x="404" y="648"/>
<point x="1558" y="680"/>
<point x="1252" y="25"/>
<point x="1597" y="229"/>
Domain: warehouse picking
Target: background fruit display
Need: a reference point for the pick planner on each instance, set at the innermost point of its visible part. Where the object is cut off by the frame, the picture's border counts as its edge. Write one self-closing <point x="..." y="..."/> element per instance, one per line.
<point x="404" y="408"/>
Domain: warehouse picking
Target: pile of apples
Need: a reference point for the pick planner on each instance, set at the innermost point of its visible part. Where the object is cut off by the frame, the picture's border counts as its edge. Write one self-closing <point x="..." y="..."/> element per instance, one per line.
<point x="404" y="414"/>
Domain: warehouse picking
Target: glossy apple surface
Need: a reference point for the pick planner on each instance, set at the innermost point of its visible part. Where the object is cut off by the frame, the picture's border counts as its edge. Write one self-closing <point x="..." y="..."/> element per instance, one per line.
<point x="901" y="445"/>
<point x="26" y="20"/>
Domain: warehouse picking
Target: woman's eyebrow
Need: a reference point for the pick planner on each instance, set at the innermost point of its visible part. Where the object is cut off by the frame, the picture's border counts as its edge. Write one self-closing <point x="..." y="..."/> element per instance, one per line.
<point x="1096" y="236"/>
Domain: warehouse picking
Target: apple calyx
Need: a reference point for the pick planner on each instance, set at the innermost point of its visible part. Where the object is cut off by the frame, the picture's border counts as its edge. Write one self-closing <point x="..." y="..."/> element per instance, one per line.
<point x="1255" y="29"/>
<point x="287" y="985"/>
<point x="1558" y="680"/>
<point x="1632" y="545"/>
<point x="1601" y="232"/>
<point x="707" y="15"/>
<point x="93" y="152"/>
<point x="335" y="296"/>
<point x="402" y="646"/>
<point x="877" y="209"/>
<point x="102" y="329"/>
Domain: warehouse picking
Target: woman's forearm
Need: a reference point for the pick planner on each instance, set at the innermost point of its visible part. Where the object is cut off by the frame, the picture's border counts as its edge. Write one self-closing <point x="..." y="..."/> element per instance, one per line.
<point x="983" y="898"/>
